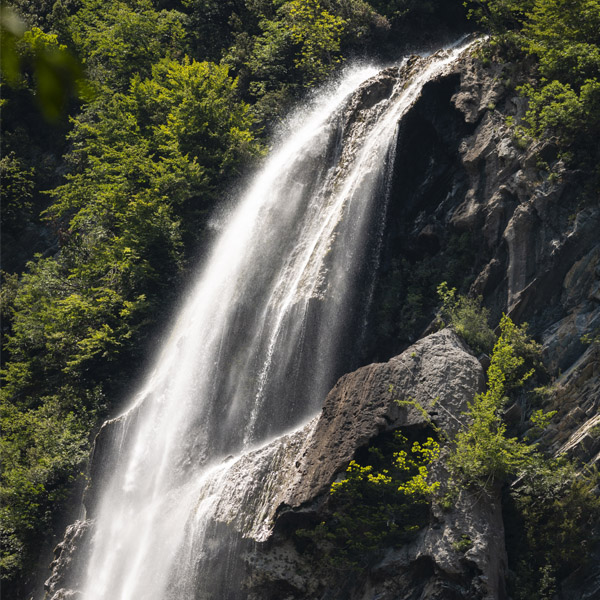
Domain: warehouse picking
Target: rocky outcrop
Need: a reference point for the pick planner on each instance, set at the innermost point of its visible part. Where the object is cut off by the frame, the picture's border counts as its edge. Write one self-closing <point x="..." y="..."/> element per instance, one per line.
<point x="575" y="396"/>
<point x="69" y="560"/>
<point x="460" y="554"/>
<point x="528" y="224"/>
<point x="542" y="235"/>
<point x="470" y="203"/>
<point x="265" y="495"/>
<point x="437" y="375"/>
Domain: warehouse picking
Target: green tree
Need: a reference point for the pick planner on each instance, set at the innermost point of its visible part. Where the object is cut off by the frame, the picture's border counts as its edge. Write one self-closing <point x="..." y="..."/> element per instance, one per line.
<point x="483" y="454"/>
<point x="500" y="17"/>
<point x="43" y="451"/>
<point x="17" y="192"/>
<point x="295" y="45"/>
<point x="317" y="34"/>
<point x="466" y="317"/>
<point x="117" y="40"/>
<point x="555" y="510"/>
<point x="562" y="36"/>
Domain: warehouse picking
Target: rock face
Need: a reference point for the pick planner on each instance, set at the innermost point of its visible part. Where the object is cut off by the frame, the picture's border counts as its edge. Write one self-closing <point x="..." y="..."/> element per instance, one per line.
<point x="68" y="561"/>
<point x="470" y="206"/>
<point x="437" y="374"/>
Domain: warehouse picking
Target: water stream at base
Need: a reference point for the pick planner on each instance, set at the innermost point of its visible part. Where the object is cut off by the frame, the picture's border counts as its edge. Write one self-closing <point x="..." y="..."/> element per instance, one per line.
<point x="275" y="317"/>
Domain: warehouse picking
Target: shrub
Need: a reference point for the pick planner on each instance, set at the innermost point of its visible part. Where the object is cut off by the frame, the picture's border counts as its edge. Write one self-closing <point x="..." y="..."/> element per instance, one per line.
<point x="378" y="505"/>
<point x="483" y="455"/>
<point x="467" y="318"/>
<point x="555" y="510"/>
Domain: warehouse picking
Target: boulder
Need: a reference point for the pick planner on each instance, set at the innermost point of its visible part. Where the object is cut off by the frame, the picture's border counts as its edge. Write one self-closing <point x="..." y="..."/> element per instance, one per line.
<point x="460" y="554"/>
<point x="434" y="379"/>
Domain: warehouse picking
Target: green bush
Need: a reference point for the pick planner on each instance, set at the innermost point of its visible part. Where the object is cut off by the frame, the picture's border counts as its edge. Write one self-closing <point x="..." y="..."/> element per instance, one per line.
<point x="555" y="511"/>
<point x="483" y="454"/>
<point x="467" y="318"/>
<point x="378" y="505"/>
<point x="562" y="38"/>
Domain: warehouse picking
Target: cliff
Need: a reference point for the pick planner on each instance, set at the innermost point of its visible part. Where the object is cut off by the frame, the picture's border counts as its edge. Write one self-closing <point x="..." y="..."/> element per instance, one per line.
<point x="470" y="205"/>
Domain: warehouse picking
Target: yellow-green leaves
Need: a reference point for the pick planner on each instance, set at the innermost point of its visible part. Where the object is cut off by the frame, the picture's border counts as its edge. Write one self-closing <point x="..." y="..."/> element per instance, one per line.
<point x="466" y="317"/>
<point x="144" y="168"/>
<point x="12" y="29"/>
<point x="562" y="37"/>
<point x="318" y="34"/>
<point x="377" y="505"/>
<point x="406" y="471"/>
<point x="119" y="39"/>
<point x="483" y="454"/>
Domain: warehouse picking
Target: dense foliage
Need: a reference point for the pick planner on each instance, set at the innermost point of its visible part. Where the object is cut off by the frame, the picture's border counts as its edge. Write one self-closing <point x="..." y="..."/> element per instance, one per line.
<point x="552" y="508"/>
<point x="553" y="514"/>
<point x="562" y="39"/>
<point x="375" y="506"/>
<point x="144" y="169"/>
<point x="467" y="318"/>
<point x="483" y="454"/>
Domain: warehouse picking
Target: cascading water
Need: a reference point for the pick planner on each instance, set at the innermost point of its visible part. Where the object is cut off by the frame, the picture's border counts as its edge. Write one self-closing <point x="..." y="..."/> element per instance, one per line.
<point x="274" y="318"/>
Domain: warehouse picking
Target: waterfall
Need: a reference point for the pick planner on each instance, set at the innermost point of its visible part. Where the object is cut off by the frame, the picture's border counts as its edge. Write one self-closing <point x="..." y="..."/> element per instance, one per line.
<point x="204" y="454"/>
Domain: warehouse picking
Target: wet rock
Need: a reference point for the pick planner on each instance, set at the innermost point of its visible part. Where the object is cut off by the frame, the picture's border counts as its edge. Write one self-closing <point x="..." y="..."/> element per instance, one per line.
<point x="463" y="550"/>
<point x="536" y="257"/>
<point x="460" y="554"/>
<point x="69" y="561"/>
<point x="101" y="461"/>
<point x="279" y="573"/>
<point x="477" y="94"/>
<point x="376" y="90"/>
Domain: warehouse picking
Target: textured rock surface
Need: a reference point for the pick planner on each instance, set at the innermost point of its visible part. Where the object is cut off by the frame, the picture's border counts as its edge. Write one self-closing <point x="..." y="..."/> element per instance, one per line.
<point x="440" y="375"/>
<point x="475" y="570"/>
<point x="437" y="373"/>
<point x="68" y="560"/>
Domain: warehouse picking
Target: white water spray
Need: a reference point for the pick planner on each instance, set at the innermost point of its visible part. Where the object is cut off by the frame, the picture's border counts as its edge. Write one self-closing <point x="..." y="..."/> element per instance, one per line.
<point x="266" y="330"/>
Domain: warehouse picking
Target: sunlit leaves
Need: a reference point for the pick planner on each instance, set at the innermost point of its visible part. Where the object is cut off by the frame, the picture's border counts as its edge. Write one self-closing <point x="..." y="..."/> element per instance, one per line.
<point x="377" y="505"/>
<point x="483" y="454"/>
<point x="120" y="39"/>
<point x="564" y="38"/>
<point x="317" y="33"/>
<point x="42" y="449"/>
